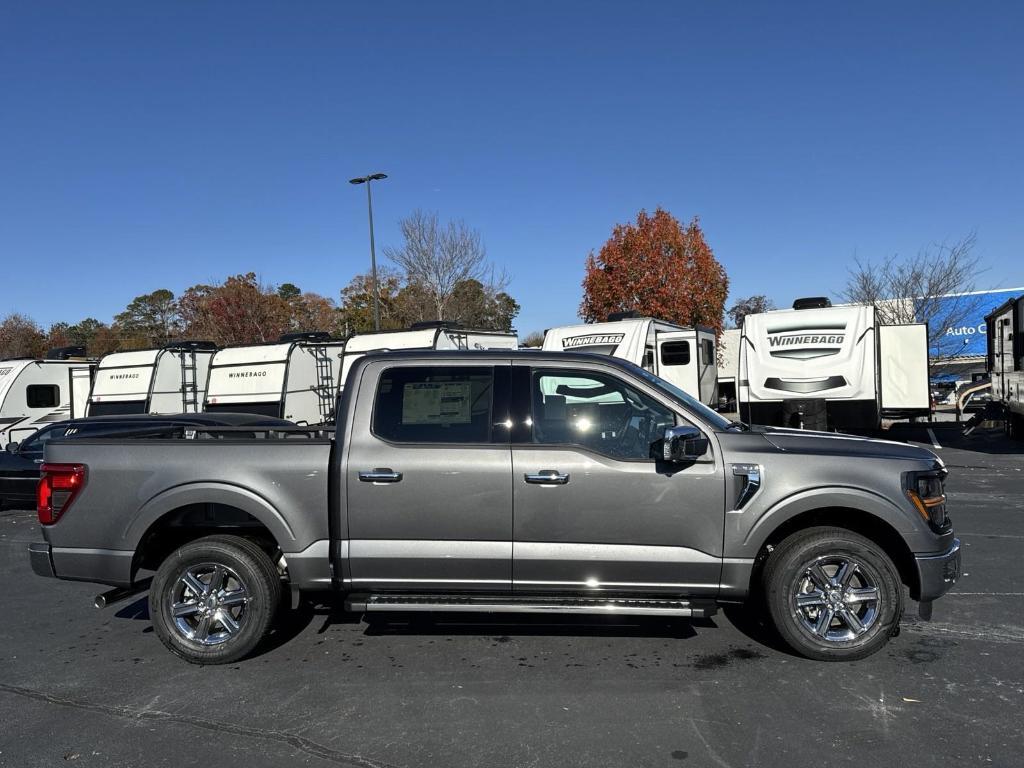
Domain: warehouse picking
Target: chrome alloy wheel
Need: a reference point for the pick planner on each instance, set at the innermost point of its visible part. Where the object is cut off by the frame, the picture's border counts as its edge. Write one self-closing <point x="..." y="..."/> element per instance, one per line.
<point x="208" y="603"/>
<point x="836" y="599"/>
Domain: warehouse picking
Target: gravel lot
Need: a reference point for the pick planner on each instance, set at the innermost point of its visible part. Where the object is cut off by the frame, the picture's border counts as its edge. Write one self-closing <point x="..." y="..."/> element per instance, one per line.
<point x="95" y="688"/>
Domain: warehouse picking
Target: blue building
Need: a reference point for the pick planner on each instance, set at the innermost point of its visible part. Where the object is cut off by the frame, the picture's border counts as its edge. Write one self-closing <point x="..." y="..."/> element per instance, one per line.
<point x="958" y="354"/>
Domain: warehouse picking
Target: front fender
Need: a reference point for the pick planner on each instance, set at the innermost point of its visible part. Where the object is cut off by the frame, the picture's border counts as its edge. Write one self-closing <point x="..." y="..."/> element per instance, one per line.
<point x="747" y="531"/>
<point x="208" y="493"/>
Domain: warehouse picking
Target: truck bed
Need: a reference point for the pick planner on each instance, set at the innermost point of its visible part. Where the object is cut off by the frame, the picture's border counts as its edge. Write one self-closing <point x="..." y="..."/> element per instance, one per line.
<point x="279" y="482"/>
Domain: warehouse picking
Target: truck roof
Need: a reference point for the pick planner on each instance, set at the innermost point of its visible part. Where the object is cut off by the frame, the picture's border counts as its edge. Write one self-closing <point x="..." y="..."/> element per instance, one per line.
<point x="496" y="354"/>
<point x="198" y="419"/>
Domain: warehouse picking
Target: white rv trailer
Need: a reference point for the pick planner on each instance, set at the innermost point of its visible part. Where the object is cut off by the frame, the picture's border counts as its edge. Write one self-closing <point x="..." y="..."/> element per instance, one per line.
<point x="426" y="335"/>
<point x="684" y="356"/>
<point x="728" y="365"/>
<point x="1005" y="326"/>
<point x="822" y="367"/>
<point x="34" y="392"/>
<point x="295" y="378"/>
<point x="171" y="379"/>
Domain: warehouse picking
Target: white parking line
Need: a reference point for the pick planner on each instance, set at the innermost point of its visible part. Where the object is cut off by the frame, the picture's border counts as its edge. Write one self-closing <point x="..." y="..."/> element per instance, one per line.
<point x="935" y="442"/>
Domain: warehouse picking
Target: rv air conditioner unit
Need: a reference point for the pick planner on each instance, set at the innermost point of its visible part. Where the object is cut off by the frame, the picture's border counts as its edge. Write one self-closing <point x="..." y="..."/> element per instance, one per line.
<point x="317" y="337"/>
<point x="186" y="345"/>
<point x="628" y="314"/>
<point x="424" y="324"/>
<point x="65" y="353"/>
<point x="812" y="302"/>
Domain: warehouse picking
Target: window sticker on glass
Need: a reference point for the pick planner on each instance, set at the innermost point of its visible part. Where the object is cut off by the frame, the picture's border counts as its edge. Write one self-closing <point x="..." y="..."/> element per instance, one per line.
<point x="437" y="403"/>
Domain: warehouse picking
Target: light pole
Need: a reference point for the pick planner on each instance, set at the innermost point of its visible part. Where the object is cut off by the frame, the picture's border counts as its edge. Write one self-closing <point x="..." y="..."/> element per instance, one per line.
<point x="373" y="256"/>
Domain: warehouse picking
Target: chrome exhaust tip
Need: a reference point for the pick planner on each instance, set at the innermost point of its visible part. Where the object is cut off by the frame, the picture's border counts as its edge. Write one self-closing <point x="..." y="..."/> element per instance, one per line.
<point x="117" y="594"/>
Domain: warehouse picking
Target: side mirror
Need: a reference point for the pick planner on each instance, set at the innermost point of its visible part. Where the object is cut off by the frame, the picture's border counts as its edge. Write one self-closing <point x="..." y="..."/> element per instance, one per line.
<point x="12" y="447"/>
<point x="683" y="444"/>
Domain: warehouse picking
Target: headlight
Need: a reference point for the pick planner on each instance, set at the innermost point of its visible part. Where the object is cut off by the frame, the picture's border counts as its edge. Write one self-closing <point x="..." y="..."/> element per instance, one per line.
<point x="925" y="490"/>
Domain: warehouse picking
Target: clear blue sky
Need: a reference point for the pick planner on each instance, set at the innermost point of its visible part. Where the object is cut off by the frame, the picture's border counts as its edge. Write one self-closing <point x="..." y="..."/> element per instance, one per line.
<point x="147" y="145"/>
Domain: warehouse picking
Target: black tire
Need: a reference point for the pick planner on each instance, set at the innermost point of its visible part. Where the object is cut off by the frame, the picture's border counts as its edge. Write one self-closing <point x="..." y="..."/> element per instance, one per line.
<point x="844" y="623"/>
<point x="248" y="599"/>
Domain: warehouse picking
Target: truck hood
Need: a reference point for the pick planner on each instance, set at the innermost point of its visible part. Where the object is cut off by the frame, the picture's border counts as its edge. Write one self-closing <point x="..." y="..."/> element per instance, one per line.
<point x="805" y="441"/>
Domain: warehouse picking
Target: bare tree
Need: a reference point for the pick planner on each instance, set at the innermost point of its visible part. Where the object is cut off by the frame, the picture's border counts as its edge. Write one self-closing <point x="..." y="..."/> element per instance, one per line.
<point x="438" y="258"/>
<point x="534" y="339"/>
<point x="933" y="287"/>
<point x="752" y="305"/>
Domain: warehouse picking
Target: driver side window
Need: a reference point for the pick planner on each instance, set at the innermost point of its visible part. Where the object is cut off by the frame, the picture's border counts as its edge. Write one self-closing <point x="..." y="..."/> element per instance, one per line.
<point x="595" y="411"/>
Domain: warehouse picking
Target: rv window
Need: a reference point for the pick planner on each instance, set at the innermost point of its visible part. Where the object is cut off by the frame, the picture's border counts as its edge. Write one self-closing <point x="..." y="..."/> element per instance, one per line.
<point x="117" y="408"/>
<point x="709" y="352"/>
<point x="435" y="404"/>
<point x="42" y="395"/>
<point x="596" y="411"/>
<point x="675" y="353"/>
<point x="271" y="410"/>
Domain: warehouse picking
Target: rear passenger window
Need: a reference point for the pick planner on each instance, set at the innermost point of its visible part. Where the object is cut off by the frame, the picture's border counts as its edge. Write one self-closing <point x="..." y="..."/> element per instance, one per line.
<point x="42" y="395"/>
<point x="435" y="404"/>
<point x="675" y="353"/>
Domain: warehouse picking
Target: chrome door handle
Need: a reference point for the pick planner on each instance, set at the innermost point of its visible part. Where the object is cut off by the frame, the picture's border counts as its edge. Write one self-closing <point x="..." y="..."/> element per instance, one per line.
<point x="547" y="477"/>
<point x="379" y="476"/>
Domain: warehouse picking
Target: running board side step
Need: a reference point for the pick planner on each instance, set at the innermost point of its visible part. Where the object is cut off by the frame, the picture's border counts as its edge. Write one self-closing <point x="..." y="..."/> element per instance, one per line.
<point x="370" y="603"/>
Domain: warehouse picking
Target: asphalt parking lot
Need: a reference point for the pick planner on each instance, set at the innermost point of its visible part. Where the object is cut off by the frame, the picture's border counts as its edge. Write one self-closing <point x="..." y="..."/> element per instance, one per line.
<point x="95" y="688"/>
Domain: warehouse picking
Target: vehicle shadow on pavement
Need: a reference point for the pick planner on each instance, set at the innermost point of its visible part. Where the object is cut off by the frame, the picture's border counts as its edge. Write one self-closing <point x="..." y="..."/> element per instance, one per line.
<point x="533" y="625"/>
<point x="137" y="610"/>
<point x="289" y="624"/>
<point x="751" y="621"/>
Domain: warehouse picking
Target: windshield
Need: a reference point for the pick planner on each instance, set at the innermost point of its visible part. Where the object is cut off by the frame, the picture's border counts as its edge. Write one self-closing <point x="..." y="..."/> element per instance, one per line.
<point x="716" y="420"/>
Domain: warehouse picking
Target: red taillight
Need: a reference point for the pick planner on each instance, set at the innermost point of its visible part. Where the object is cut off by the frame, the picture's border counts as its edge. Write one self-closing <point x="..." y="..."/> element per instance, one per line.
<point x="57" y="488"/>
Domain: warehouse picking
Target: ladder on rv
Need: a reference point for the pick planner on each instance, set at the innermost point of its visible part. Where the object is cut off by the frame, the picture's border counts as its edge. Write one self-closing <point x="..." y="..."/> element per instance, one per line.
<point x="189" y="383"/>
<point x="324" y="383"/>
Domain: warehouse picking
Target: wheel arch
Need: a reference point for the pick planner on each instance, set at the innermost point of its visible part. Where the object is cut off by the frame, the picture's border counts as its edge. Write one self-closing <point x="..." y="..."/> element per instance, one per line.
<point x="855" y="519"/>
<point x="185" y="513"/>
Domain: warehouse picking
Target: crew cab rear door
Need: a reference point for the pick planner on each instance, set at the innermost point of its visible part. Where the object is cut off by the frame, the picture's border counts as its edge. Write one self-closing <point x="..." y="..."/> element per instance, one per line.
<point x="428" y="478"/>
<point x="593" y="511"/>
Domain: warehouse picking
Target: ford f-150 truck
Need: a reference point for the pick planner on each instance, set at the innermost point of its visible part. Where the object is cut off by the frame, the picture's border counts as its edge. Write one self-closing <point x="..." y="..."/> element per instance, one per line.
<point x="504" y="482"/>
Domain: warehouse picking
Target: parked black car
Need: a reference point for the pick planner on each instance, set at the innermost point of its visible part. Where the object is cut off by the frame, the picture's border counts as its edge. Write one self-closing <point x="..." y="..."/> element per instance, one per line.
<point x="20" y="463"/>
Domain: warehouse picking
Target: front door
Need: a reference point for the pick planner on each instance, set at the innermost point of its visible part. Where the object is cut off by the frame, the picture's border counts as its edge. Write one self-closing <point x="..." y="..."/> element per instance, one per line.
<point x="428" y="479"/>
<point x="595" y="511"/>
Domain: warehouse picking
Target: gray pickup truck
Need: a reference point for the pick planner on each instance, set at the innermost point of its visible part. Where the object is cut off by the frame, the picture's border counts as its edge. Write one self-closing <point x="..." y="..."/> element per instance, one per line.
<point x="504" y="482"/>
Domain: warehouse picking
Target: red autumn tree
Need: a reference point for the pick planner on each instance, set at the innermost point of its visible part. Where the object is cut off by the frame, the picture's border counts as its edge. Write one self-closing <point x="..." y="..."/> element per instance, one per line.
<point x="239" y="311"/>
<point x="21" y="336"/>
<point x="658" y="268"/>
